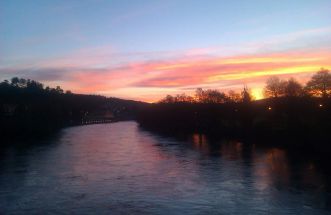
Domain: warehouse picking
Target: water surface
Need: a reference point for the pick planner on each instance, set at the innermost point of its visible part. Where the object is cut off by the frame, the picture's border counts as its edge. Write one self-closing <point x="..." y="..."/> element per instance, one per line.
<point x="121" y="169"/>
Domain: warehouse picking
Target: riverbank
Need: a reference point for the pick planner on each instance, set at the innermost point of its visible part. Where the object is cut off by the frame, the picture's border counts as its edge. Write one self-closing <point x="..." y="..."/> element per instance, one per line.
<point x="28" y="109"/>
<point x="304" y="119"/>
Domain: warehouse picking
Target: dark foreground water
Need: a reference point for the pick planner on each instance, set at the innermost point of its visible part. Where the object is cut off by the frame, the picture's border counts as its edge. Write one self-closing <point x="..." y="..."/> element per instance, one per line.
<point x="120" y="169"/>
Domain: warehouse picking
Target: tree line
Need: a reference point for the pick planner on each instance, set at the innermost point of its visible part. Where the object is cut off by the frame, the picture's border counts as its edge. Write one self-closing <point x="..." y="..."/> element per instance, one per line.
<point x="28" y="85"/>
<point x="27" y="107"/>
<point x="290" y="110"/>
<point x="318" y="86"/>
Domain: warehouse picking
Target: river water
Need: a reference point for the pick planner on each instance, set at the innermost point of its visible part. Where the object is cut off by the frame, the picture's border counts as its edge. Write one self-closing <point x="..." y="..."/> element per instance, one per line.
<point x="120" y="168"/>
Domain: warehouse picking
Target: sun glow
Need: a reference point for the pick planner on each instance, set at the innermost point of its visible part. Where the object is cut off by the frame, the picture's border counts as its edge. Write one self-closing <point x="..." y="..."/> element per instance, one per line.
<point x="252" y="74"/>
<point x="257" y="93"/>
<point x="152" y="80"/>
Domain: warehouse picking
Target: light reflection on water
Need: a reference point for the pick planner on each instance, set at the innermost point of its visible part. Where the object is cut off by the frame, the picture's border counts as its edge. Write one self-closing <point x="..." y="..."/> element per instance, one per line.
<point x="120" y="169"/>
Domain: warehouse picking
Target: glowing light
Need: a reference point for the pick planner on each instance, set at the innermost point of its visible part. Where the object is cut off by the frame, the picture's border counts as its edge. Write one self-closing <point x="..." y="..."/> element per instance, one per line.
<point x="269" y="108"/>
<point x="320" y="105"/>
<point x="257" y="93"/>
<point x="252" y="74"/>
<point x="152" y="80"/>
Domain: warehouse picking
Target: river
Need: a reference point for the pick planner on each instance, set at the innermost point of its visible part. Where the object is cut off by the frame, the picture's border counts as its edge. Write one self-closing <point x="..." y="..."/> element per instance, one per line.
<point x="120" y="168"/>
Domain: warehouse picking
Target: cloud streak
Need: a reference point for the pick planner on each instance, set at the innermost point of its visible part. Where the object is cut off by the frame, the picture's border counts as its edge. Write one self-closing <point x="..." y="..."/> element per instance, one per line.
<point x="101" y="70"/>
<point x="178" y="75"/>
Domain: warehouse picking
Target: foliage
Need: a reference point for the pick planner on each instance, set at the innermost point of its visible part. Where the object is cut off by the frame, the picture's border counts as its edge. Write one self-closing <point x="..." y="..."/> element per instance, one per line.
<point x="28" y="107"/>
<point x="293" y="88"/>
<point x="274" y="87"/>
<point x="210" y="96"/>
<point x="246" y="96"/>
<point x="234" y="96"/>
<point x="320" y="84"/>
<point x="177" y="99"/>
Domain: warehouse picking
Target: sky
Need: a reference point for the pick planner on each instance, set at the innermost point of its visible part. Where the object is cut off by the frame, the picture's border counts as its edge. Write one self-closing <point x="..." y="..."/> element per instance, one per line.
<point x="146" y="49"/>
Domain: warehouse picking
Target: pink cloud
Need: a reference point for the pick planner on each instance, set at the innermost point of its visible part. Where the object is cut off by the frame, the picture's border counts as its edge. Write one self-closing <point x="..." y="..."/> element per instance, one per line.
<point x="103" y="70"/>
<point x="178" y="74"/>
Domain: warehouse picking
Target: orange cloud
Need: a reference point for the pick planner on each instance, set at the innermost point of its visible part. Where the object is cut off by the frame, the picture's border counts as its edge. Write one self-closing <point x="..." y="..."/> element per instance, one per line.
<point x="237" y="69"/>
<point x="152" y="80"/>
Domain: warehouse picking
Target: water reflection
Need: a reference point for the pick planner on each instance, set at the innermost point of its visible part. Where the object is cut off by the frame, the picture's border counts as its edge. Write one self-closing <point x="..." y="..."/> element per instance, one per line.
<point x="271" y="168"/>
<point x="120" y="169"/>
<point x="232" y="150"/>
<point x="200" y="142"/>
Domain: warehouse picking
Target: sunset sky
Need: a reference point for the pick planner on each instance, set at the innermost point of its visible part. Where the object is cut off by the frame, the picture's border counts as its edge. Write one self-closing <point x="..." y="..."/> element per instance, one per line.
<point x="145" y="49"/>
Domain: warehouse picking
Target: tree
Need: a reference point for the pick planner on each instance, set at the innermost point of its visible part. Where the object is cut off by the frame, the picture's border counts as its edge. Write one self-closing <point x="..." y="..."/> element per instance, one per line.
<point x="274" y="87"/>
<point x="179" y="98"/>
<point x="233" y="96"/>
<point x="34" y="85"/>
<point x="58" y="90"/>
<point x="183" y="98"/>
<point x="245" y="95"/>
<point x="210" y="96"/>
<point x="199" y="93"/>
<point x="293" y="88"/>
<point x="168" y="99"/>
<point x="214" y="96"/>
<point x="14" y="81"/>
<point x="320" y="84"/>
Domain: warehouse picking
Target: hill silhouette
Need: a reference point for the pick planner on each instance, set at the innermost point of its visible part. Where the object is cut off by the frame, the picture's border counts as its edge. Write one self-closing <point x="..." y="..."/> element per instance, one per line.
<point x="27" y="108"/>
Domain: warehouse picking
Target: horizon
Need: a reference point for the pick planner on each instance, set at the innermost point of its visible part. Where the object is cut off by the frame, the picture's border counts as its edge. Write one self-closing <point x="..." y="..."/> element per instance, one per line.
<point x="148" y="49"/>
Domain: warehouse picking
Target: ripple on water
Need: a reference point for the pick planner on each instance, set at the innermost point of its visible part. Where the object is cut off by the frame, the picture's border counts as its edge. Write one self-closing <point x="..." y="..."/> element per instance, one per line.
<point x="120" y="169"/>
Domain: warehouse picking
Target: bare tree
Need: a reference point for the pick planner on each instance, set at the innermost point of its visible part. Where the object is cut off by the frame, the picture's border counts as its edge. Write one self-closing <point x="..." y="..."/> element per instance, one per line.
<point x="199" y="94"/>
<point x="167" y="99"/>
<point x="184" y="98"/>
<point x="275" y="87"/>
<point x="293" y="88"/>
<point x="210" y="96"/>
<point x="233" y="96"/>
<point x="246" y="95"/>
<point x="320" y="84"/>
<point x="177" y="99"/>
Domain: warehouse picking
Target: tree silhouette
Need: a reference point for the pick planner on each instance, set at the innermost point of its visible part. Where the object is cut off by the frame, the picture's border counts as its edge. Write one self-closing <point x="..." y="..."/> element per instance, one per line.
<point x="168" y="99"/>
<point x="320" y="84"/>
<point x="246" y="96"/>
<point x="233" y="96"/>
<point x="210" y="96"/>
<point x="199" y="95"/>
<point x="274" y="87"/>
<point x="26" y="107"/>
<point x="293" y="88"/>
<point x="15" y="81"/>
<point x="179" y="98"/>
<point x="59" y="90"/>
<point x="214" y="96"/>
